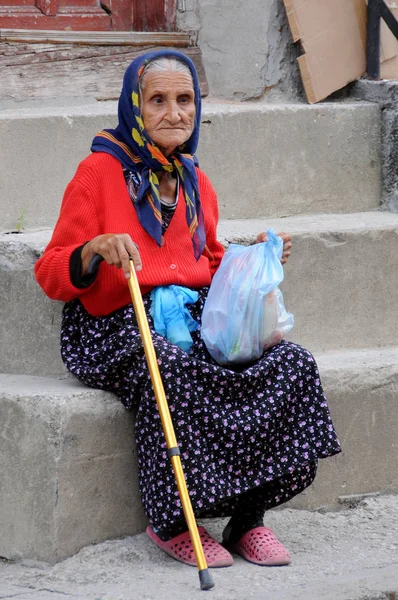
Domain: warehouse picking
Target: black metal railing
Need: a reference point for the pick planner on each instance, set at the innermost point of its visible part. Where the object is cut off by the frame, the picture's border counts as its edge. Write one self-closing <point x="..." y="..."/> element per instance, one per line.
<point x="377" y="9"/>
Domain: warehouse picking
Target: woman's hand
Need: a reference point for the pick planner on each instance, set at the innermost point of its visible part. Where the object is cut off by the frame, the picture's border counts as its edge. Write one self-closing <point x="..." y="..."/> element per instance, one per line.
<point x="287" y="244"/>
<point x="116" y="249"/>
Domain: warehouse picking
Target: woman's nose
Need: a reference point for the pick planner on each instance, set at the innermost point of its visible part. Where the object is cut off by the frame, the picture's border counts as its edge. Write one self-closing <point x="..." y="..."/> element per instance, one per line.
<point x="173" y="112"/>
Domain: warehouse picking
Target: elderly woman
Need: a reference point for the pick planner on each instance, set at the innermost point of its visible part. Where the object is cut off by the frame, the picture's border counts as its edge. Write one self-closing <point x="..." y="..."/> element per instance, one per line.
<point x="250" y="439"/>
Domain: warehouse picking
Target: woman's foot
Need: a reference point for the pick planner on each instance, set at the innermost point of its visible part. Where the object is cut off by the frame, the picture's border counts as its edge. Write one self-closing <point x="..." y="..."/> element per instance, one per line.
<point x="180" y="547"/>
<point x="261" y="547"/>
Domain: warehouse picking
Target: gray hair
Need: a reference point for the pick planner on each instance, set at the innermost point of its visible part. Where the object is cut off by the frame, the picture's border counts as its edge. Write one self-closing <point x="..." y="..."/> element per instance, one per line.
<point x="165" y="63"/>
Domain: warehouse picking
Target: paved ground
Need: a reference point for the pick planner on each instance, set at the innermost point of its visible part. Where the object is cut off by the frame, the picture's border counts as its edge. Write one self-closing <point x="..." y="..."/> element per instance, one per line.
<point x="348" y="555"/>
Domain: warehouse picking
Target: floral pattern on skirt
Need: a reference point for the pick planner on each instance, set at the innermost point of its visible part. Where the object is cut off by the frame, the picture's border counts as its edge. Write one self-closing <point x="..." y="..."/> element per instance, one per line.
<point x="263" y="425"/>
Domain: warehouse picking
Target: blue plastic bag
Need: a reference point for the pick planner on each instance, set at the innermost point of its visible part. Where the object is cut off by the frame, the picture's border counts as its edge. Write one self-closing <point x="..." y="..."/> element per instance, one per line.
<point x="171" y="317"/>
<point x="244" y="311"/>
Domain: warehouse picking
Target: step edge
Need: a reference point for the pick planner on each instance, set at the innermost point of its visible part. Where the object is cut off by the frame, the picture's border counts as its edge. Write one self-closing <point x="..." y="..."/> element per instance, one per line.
<point x="339" y="221"/>
<point x="211" y="107"/>
<point x="365" y="221"/>
<point x="356" y="359"/>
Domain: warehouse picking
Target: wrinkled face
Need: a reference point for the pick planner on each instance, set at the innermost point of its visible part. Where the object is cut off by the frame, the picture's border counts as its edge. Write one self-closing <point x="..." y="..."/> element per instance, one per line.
<point x="168" y="108"/>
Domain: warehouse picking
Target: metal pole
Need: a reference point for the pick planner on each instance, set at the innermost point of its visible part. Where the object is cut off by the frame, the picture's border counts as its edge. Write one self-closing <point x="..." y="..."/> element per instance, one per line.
<point x="389" y="18"/>
<point x="206" y="581"/>
<point x="373" y="40"/>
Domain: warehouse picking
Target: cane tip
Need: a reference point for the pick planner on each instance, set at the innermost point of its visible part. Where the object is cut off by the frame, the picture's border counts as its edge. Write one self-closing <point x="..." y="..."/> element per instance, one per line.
<point x="206" y="580"/>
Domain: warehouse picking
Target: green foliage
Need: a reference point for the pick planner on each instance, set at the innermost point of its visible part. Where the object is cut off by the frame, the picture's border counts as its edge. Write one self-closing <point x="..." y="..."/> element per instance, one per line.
<point x="21" y="221"/>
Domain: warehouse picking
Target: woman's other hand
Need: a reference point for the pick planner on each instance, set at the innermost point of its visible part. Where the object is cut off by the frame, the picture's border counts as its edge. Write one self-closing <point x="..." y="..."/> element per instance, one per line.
<point x="116" y="249"/>
<point x="287" y="244"/>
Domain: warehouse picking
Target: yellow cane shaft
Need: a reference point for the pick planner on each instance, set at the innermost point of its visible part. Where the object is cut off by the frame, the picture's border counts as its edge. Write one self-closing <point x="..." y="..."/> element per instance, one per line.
<point x="151" y="358"/>
<point x="165" y="416"/>
<point x="188" y="512"/>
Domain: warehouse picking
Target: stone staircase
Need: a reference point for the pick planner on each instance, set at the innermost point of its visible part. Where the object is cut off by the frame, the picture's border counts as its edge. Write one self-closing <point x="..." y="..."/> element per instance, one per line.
<point x="68" y="472"/>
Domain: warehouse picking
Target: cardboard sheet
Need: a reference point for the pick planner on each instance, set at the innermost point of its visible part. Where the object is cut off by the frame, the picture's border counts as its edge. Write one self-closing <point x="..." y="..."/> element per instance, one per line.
<point x="332" y="34"/>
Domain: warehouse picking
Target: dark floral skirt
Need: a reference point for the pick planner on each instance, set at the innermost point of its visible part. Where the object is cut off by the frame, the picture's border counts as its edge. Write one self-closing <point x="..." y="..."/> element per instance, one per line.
<point x="264" y="425"/>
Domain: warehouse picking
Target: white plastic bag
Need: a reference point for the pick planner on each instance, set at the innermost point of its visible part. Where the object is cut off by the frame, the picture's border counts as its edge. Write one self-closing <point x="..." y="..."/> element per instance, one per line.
<point x="244" y="311"/>
<point x="277" y="322"/>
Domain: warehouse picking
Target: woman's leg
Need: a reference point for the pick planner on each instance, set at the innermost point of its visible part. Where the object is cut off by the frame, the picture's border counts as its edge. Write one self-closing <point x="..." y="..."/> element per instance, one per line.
<point x="251" y="507"/>
<point x="167" y="533"/>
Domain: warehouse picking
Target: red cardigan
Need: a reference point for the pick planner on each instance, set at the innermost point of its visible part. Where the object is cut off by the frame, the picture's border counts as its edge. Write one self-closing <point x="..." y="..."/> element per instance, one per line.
<point x="96" y="201"/>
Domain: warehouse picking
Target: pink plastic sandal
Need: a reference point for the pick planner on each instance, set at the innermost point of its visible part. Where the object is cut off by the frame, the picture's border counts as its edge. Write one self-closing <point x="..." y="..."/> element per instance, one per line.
<point x="261" y="547"/>
<point x="180" y="547"/>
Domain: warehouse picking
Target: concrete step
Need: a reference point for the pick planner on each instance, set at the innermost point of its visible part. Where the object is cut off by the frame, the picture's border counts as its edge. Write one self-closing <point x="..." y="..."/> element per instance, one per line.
<point x="68" y="471"/>
<point x="68" y="468"/>
<point x="264" y="160"/>
<point x="340" y="283"/>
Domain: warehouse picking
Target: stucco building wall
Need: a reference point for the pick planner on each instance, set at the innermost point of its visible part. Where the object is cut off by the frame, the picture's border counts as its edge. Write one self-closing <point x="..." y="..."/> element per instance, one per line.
<point x="247" y="47"/>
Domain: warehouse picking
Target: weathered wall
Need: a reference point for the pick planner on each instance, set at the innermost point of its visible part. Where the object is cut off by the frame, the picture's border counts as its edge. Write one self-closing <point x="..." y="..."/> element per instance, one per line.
<point x="384" y="93"/>
<point x="247" y="47"/>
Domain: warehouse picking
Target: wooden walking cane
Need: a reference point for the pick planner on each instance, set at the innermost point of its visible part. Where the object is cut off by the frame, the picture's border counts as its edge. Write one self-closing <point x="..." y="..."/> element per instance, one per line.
<point x="205" y="577"/>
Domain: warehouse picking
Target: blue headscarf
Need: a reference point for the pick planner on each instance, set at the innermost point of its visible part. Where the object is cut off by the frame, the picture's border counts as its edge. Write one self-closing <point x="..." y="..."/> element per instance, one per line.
<point x="132" y="146"/>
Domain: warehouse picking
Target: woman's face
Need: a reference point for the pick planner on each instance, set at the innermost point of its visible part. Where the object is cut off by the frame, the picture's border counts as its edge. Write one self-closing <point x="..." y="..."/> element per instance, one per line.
<point x="168" y="108"/>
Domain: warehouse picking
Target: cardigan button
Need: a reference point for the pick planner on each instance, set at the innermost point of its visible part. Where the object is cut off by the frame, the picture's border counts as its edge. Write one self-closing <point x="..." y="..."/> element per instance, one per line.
<point x="173" y="266"/>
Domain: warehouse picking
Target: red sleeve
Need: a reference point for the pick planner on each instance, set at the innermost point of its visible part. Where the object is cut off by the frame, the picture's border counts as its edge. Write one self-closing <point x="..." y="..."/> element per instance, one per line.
<point x="214" y="250"/>
<point x="77" y="223"/>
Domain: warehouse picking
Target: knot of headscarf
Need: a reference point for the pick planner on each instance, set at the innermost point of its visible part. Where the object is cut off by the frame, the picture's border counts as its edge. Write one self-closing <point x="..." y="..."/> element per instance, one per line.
<point x="132" y="146"/>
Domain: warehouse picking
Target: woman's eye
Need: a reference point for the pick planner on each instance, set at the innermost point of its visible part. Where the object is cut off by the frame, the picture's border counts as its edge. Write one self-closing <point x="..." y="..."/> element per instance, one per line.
<point x="184" y="99"/>
<point x="157" y="100"/>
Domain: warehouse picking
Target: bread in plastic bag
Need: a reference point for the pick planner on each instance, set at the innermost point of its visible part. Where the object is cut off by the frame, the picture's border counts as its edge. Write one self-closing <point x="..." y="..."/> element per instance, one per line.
<point x="277" y="322"/>
<point x="244" y="311"/>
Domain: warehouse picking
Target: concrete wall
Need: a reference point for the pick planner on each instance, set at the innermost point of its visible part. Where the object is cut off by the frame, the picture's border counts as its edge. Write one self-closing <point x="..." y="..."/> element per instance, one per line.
<point x="247" y="47"/>
<point x="385" y="94"/>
